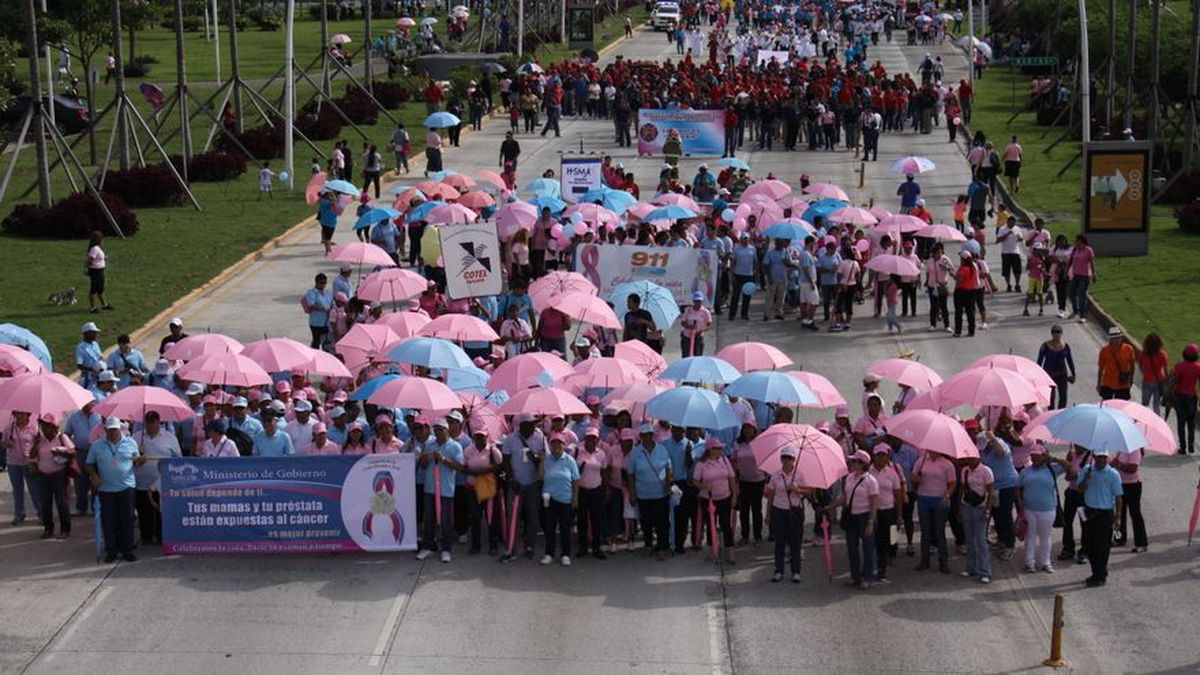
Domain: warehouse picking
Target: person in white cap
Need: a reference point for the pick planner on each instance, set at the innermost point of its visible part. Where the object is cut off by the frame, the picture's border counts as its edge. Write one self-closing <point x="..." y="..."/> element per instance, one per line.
<point x="89" y="358"/>
<point x="860" y="497"/>
<point x="110" y="463"/>
<point x="440" y="461"/>
<point x="156" y="444"/>
<point x="300" y="430"/>
<point x="523" y="450"/>
<point x="648" y="479"/>
<point x="1102" y="491"/>
<point x="175" y="334"/>
<point x="786" y="494"/>
<point x="696" y="321"/>
<point x="106" y="385"/>
<point x="242" y="421"/>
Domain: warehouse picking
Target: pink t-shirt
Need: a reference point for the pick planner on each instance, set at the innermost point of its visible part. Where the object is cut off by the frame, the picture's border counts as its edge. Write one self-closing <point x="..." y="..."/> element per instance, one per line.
<point x="616" y="462"/>
<point x="1134" y="458"/>
<point x="477" y="459"/>
<point x="893" y="295"/>
<point x="714" y="475"/>
<point x="935" y="473"/>
<point x="890" y="480"/>
<point x="1012" y="152"/>
<point x="698" y="319"/>
<point x="591" y="467"/>
<point x="46" y="455"/>
<point x="20" y="441"/>
<point x="848" y="272"/>
<point x="552" y="324"/>
<point x="858" y="490"/>
<point x="96" y="258"/>
<point x="776" y="490"/>
<point x="330" y="448"/>
<point x="1081" y="261"/>
<point x="979" y="479"/>
<point x="867" y="426"/>
<point x="747" y="466"/>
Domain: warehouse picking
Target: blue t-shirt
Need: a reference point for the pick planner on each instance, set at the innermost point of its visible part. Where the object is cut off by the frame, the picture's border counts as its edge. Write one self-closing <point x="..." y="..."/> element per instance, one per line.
<point x="279" y="445"/>
<point x="649" y="470"/>
<point x="524" y="465"/>
<point x="1003" y="471"/>
<point x="678" y="452"/>
<point x="744" y="258"/>
<point x="559" y="477"/>
<point x="326" y="215"/>
<point x="451" y="450"/>
<point x="319" y="304"/>
<point x="827" y="267"/>
<point x="1039" y="487"/>
<point x="114" y="463"/>
<point x="776" y="263"/>
<point x="1103" y="487"/>
<point x="384" y="235"/>
<point x="909" y="191"/>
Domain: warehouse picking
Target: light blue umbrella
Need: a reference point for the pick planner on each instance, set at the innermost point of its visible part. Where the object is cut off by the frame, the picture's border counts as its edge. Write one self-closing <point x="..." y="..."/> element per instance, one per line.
<point x="367" y="388"/>
<point x="551" y="202"/>
<point x="786" y="230"/>
<point x="692" y="407"/>
<point x="655" y="299"/>
<point x="12" y="334"/>
<point x="468" y="381"/>
<point x="401" y="188"/>
<point x="343" y="186"/>
<point x="544" y="186"/>
<point x="374" y="216"/>
<point x="822" y="208"/>
<point x="733" y="162"/>
<point x="442" y="119"/>
<point x="430" y="353"/>
<point x="670" y="212"/>
<point x="701" y="370"/>
<point x="1098" y="429"/>
<point x="421" y="211"/>
<point x="617" y="201"/>
<point x="439" y="176"/>
<point x="772" y="387"/>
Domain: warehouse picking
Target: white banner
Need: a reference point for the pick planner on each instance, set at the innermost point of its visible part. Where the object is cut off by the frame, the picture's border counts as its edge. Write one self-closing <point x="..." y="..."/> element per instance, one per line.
<point x="471" y="254"/>
<point x="765" y="56"/>
<point x="580" y="173"/>
<point x="680" y="270"/>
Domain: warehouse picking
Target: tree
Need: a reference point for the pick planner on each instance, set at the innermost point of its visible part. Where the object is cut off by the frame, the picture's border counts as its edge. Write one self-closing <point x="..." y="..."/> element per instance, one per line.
<point x="86" y="29"/>
<point x="136" y="15"/>
<point x="9" y="84"/>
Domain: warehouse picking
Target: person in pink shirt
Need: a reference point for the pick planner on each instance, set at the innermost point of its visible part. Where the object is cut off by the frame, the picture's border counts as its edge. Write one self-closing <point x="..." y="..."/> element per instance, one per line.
<point x="935" y="479"/>
<point x="848" y="279"/>
<point x="860" y="497"/>
<point x="938" y="272"/>
<point x="869" y="427"/>
<point x="715" y="480"/>
<point x="1081" y="273"/>
<point x="18" y="441"/>
<point x="1012" y="165"/>
<point x="751" y="481"/>
<point x="356" y="440"/>
<point x="483" y="458"/>
<point x="385" y="441"/>
<point x="1129" y="465"/>
<point x="786" y="494"/>
<point x="321" y="445"/>
<point x="695" y="322"/>
<point x="217" y="444"/>
<point x="892" y="493"/>
<point x="975" y="510"/>
<point x="52" y="451"/>
<point x="842" y="432"/>
<point x="593" y="466"/>
<point x="620" y="522"/>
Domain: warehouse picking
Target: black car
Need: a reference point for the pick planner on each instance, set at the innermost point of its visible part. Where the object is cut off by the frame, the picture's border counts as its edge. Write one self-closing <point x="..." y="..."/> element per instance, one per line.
<point x="71" y="115"/>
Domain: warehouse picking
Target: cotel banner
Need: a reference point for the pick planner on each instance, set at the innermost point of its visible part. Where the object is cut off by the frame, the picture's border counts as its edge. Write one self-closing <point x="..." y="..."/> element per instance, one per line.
<point x="680" y="270"/>
<point x="701" y="131"/>
<point x="471" y="257"/>
<point x="289" y="505"/>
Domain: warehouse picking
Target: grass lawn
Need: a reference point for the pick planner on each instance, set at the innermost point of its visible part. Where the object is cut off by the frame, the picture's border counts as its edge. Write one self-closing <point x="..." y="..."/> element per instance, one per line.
<point x="1144" y="294"/>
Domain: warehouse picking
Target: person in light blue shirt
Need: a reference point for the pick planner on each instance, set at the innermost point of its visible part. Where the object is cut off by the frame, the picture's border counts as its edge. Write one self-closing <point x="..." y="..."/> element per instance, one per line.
<point x="828" y="262"/>
<point x="682" y="453"/>
<point x="996" y="455"/>
<point x="1037" y="500"/>
<point x="342" y="283"/>
<point x="384" y="234"/>
<point x="745" y="266"/>
<point x="317" y="302"/>
<point x="560" y="492"/>
<point x="649" y="475"/>
<point x="1101" y="488"/>
<point x="79" y="428"/>
<point x="338" y="429"/>
<point x="89" y="358"/>
<point x="128" y="363"/>
<point x="110" y="463"/>
<point x="245" y="423"/>
<point x="517" y="297"/>
<point x="272" y="442"/>
<point x="523" y="450"/>
<point x="441" y="459"/>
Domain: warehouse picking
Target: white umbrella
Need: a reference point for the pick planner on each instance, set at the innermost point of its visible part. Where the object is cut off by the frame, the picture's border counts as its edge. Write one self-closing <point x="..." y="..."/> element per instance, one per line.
<point x="340" y="39"/>
<point x="428" y="21"/>
<point x="980" y="45"/>
<point x="460" y="8"/>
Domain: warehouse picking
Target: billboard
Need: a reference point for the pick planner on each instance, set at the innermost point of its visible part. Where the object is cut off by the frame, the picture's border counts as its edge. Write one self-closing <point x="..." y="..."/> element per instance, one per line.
<point x="680" y="270"/>
<point x="1116" y="197"/>
<point x="702" y="132"/>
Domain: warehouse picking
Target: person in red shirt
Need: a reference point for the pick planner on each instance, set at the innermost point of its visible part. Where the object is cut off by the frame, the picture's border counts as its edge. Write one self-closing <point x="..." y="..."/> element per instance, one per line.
<point x="1184" y="378"/>
<point x="966" y="282"/>
<point x="965" y="94"/>
<point x="433" y="97"/>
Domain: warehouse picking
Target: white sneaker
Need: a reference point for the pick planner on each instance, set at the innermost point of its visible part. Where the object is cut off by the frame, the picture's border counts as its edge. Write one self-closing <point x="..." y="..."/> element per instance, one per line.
<point x="546" y="560"/>
<point x="1061" y="315"/>
<point x="985" y="580"/>
<point x="1082" y="320"/>
<point x="445" y="556"/>
<point x="462" y="539"/>
<point x="949" y="330"/>
<point x="423" y="554"/>
<point x="983" y="325"/>
<point x="566" y="561"/>
<point x="796" y="578"/>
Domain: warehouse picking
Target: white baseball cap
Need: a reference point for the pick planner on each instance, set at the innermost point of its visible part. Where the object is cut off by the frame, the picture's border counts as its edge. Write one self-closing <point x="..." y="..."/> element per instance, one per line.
<point x="112" y="423"/>
<point x="90" y="327"/>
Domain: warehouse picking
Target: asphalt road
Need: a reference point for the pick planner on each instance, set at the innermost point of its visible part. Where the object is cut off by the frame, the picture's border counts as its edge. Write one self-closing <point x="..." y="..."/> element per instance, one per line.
<point x="359" y="613"/>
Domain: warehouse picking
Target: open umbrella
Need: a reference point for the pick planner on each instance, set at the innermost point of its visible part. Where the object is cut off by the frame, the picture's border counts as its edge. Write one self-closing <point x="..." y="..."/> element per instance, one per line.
<point x="906" y="372"/>
<point x="364" y="342"/>
<point x="656" y="300"/>
<point x="224" y="370"/>
<point x="587" y="308"/>
<point x="16" y="361"/>
<point x="913" y="165"/>
<point x="853" y="215"/>
<point x="793" y="202"/>
<point x="932" y="430"/>
<point x="492" y="68"/>
<point x="594" y="213"/>
<point x="617" y="201"/>
<point x="980" y="387"/>
<point x="676" y="199"/>
<point x="428" y="21"/>
<point x="603" y="372"/>
<point x="900" y="222"/>
<point x="1159" y="436"/>
<point x="940" y="232"/>
<point x="414" y="392"/>
<point x="442" y="119"/>
<point x="650" y="361"/>
<point x="477" y="200"/>
<point x="1018" y="364"/>
<point x="748" y="356"/>
<point x="324" y="364"/>
<point x="544" y="186"/>
<point x="405" y="22"/>
<point x="339" y="39"/>
<point x="277" y="355"/>
<point x="981" y="46"/>
<point x="194" y="346"/>
<point x="342" y="186"/>
<point x="1097" y="428"/>
<point x="820" y="461"/>
<point x="556" y="283"/>
<point x="528" y="370"/>
<point x="827" y="190"/>
<point x="420" y="212"/>
<point x="773" y="189"/>
<point x="701" y="370"/>
<point x="551" y="202"/>
<point x="366" y="389"/>
<point x="373" y="216"/>
<point x="888" y="263"/>
<point x="788" y="231"/>
<point x="132" y="403"/>
<point x="530" y="68"/>
<point x="17" y="336"/>
<point x="468" y="380"/>
<point x="459" y="180"/>
<point x="492" y="179"/>
<point x="459" y="328"/>
<point x="451" y="214"/>
<point x="438" y="191"/>
<point x="544" y="401"/>
<point x="430" y="353"/>
<point x="39" y="393"/>
<point x="361" y="253"/>
<point x="670" y="212"/>
<point x="733" y="163"/>
<point x="391" y="285"/>
<point x="826" y="394"/>
<point x="404" y="324"/>
<point x="772" y="387"/>
<point x="515" y="216"/>
<point x="693" y="407"/>
<point x="822" y="208"/>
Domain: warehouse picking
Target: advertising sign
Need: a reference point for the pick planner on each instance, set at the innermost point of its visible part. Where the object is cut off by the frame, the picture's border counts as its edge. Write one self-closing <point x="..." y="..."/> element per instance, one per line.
<point x="471" y="254"/>
<point x="580" y="173"/>
<point x="1116" y="199"/>
<point x="682" y="271"/>
<point x="765" y="56"/>
<point x="702" y="132"/>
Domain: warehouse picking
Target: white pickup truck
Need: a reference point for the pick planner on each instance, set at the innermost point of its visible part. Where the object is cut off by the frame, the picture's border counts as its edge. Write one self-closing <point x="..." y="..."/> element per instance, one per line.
<point x="665" y="15"/>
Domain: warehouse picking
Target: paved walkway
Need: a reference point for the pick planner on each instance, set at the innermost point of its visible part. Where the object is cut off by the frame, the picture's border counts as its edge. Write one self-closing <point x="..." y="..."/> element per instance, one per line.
<point x="392" y="614"/>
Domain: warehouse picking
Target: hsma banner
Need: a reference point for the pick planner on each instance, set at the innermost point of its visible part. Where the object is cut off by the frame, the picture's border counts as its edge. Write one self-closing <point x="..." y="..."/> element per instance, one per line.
<point x="682" y="271"/>
<point x="289" y="505"/>
<point x="580" y="173"/>
<point x="471" y="257"/>
<point x="701" y="131"/>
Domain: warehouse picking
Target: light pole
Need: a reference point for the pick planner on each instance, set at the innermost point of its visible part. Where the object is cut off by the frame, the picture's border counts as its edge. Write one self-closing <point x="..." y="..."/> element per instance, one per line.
<point x="289" y="94"/>
<point x="1085" y="75"/>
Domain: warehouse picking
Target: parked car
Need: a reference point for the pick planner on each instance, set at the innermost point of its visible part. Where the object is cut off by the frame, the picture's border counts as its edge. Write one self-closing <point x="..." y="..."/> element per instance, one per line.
<point x="664" y="15"/>
<point x="70" y="114"/>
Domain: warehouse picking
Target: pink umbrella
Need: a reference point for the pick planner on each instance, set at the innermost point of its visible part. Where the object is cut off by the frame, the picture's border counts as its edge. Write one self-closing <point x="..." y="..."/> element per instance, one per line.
<point x="543" y="401"/>
<point x="940" y="233"/>
<point x="132" y="403"/>
<point x="556" y="283"/>
<point x="1020" y="365"/>
<point x="879" y="212"/>
<point x="477" y="200"/>
<point x="640" y="353"/>
<point x="1036" y="429"/>
<point x="887" y="263"/>
<point x="989" y="386"/>
<point x="324" y="364"/>
<point x="195" y="346"/>
<point x="39" y="393"/>
<point x="527" y="370"/>
<point x="853" y="215"/>
<point x="928" y="400"/>
<point x="364" y="342"/>
<point x="773" y="189"/>
<point x="481" y="414"/>
<point x="827" y="395"/>
<point x="402" y="200"/>
<point x="587" y="308"/>
<point x="459" y="180"/>
<point x="312" y="191"/>
<point x="405" y="22"/>
<point x="820" y="461"/>
<point x="1159" y="436"/>
<point x="748" y="356"/>
<point x="766" y="211"/>
<point x="606" y="372"/>
<point x="451" y="214"/>
<point x="638" y="391"/>
<point x="415" y="392"/>
<point x="17" y="361"/>
<point x="827" y="190"/>
<point x="1195" y="515"/>
<point x="908" y="373"/>
<point x="678" y="200"/>
<point x="404" y="324"/>
<point x="492" y="178"/>
<point x="224" y="370"/>
<point x="459" y="328"/>
<point x="361" y="253"/>
<point x="593" y="213"/>
<point x="391" y="285"/>
<point x="436" y="190"/>
<point x="640" y="210"/>
<point x="280" y="354"/>
<point x="515" y="216"/>
<point x="793" y="202"/>
<point x="933" y="431"/>
<point x="903" y="223"/>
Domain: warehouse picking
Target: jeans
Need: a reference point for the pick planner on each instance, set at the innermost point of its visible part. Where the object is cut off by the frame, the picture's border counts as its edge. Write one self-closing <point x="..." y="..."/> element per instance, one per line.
<point x="148" y="516"/>
<point x="750" y="513"/>
<point x="1072" y="502"/>
<point x="1002" y="515"/>
<point x="1039" y="538"/>
<point x="933" y="533"/>
<point x="655" y="522"/>
<point x="591" y="527"/>
<point x="83" y="487"/>
<point x="53" y="488"/>
<point x="787" y="526"/>
<point x="737" y="297"/>
<point x="320" y="335"/>
<point x="938" y="311"/>
<point x="1185" y="421"/>
<point x="558" y="522"/>
<point x="974" y="522"/>
<point x="530" y="511"/>
<point x="1098" y="534"/>
<point x="689" y="347"/>
<point x="1131" y="507"/>
<point x="685" y="514"/>
<point x="964" y="301"/>
<point x="860" y="548"/>
<point x="20" y="479"/>
<point x="1078" y="289"/>
<point x="1152" y="396"/>
<point x="884" y="520"/>
<point x="480" y="516"/>
<point x="430" y="526"/>
<point x="116" y="518"/>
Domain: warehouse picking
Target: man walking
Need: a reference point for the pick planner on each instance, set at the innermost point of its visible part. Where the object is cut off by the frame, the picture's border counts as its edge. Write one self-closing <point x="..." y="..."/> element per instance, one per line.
<point x="1101" y="487"/>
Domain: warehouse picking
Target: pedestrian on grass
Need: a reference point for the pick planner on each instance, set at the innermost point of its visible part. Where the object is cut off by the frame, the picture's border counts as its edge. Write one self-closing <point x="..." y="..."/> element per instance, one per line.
<point x="110" y="464"/>
<point x="96" y="264"/>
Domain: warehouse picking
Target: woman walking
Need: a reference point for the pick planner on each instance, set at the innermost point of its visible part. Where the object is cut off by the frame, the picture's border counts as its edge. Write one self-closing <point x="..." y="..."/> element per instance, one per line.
<point x="53" y="452"/>
<point x="96" y="263"/>
<point x="1082" y="273"/>
<point x="1183" y="394"/>
<point x="975" y="509"/>
<point x="751" y="482"/>
<point x="1054" y="356"/>
<point x="372" y="169"/>
<point x="1038" y="503"/>
<point x="714" y="478"/>
<point x="787" y="496"/>
<point x="860" y="499"/>
<point x="1152" y="360"/>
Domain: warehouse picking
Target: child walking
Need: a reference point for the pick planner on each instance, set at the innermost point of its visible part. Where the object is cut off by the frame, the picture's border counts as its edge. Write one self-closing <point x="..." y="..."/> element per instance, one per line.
<point x="960" y="212"/>
<point x="265" y="178"/>
<point x="1037" y="268"/>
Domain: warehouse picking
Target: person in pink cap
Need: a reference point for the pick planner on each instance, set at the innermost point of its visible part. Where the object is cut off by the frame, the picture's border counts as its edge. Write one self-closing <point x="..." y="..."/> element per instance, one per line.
<point x="52" y="452"/>
<point x="385" y="441"/>
<point x="715" y="480"/>
<point x="621" y="525"/>
<point x="892" y="494"/>
<point x="786" y="495"/>
<point x="1038" y="503"/>
<point x="751" y="482"/>
<point x="483" y="460"/>
<point x="841" y="431"/>
<point x="976" y="508"/>
<point x="321" y="445"/>
<point x="936" y="480"/>
<point x="17" y="440"/>
<point x="860" y="497"/>
<point x="356" y="440"/>
<point x="593" y="465"/>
